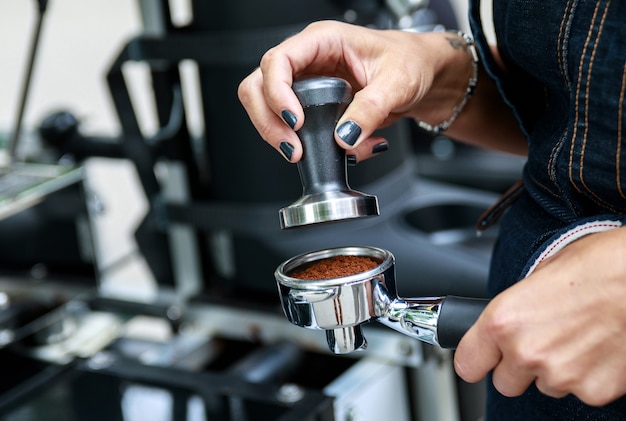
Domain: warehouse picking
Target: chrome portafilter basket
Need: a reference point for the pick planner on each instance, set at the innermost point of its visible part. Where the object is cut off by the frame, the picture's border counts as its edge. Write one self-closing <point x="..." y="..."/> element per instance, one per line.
<point x="341" y="305"/>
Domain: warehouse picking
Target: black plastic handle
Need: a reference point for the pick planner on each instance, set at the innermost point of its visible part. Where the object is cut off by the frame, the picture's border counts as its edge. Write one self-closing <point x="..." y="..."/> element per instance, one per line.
<point x="456" y="316"/>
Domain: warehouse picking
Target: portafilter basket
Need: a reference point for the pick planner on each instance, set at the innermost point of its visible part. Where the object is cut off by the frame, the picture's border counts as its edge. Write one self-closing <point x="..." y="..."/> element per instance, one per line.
<point x="341" y="305"/>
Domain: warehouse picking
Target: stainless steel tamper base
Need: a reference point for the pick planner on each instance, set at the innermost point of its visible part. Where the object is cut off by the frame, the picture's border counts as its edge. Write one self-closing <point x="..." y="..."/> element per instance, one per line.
<point x="328" y="207"/>
<point x="326" y="195"/>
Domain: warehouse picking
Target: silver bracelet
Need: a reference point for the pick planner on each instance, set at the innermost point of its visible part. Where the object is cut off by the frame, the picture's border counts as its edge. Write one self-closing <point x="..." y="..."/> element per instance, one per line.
<point x="471" y="86"/>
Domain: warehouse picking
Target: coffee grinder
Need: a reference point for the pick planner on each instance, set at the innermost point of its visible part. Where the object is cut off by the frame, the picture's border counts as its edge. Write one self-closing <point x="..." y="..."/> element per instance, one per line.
<point x="341" y="305"/>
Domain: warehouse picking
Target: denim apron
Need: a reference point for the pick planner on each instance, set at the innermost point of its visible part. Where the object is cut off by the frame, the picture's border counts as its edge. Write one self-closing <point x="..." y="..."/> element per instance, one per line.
<point x="565" y="81"/>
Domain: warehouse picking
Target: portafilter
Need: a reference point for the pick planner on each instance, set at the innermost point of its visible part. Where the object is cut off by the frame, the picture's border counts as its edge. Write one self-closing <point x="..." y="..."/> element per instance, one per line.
<point x="341" y="305"/>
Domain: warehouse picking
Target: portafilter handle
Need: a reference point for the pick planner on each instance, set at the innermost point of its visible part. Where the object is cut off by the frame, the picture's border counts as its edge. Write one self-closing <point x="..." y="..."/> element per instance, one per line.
<point x="440" y="321"/>
<point x="456" y="317"/>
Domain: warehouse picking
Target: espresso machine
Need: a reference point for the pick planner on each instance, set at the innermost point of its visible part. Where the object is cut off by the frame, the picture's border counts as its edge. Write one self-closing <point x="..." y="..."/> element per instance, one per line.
<point x="222" y="231"/>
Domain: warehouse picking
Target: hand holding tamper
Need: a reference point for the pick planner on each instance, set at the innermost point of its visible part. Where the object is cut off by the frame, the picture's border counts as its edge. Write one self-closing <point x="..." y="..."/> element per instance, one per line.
<point x="326" y="195"/>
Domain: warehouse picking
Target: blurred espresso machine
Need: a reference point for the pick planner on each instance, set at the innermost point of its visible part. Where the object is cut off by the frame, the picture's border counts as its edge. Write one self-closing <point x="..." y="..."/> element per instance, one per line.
<point x="211" y="342"/>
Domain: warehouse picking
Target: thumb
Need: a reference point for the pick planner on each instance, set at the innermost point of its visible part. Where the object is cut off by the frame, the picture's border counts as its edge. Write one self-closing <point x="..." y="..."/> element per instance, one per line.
<point x="477" y="353"/>
<point x="369" y="110"/>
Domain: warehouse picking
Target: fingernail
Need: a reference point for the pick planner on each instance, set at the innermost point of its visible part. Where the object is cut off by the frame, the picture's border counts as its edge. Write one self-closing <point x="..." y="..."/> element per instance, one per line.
<point x="381" y="147"/>
<point x="351" y="160"/>
<point x="287" y="150"/>
<point x="289" y="117"/>
<point x="349" y="132"/>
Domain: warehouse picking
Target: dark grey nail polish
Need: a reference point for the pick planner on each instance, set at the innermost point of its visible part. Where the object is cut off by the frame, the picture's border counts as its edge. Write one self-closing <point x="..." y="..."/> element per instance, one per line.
<point x="289" y="117"/>
<point x="351" y="160"/>
<point x="349" y="132"/>
<point x="381" y="147"/>
<point x="287" y="149"/>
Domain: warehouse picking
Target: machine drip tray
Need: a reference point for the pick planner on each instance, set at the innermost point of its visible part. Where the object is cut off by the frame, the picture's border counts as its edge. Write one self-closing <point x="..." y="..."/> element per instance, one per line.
<point x="451" y="224"/>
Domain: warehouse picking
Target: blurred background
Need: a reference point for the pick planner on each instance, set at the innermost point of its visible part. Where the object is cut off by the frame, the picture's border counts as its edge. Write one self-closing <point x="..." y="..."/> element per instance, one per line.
<point x="168" y="221"/>
<point x="78" y="43"/>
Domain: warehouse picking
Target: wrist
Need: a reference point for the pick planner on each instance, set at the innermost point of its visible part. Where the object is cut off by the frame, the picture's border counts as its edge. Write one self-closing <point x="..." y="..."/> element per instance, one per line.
<point x="453" y="85"/>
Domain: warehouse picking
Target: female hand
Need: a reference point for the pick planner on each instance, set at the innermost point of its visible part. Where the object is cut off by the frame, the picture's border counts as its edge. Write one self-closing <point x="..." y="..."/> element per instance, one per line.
<point x="562" y="327"/>
<point x="390" y="71"/>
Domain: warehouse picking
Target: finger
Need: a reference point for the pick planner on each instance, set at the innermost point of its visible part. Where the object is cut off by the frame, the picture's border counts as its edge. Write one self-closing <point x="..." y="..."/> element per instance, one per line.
<point x="320" y="49"/>
<point x="368" y="148"/>
<point x="270" y="126"/>
<point x="549" y="390"/>
<point x="306" y="53"/>
<point x="371" y="108"/>
<point x="510" y="379"/>
<point x="477" y="352"/>
<point x="601" y="386"/>
<point x="279" y="95"/>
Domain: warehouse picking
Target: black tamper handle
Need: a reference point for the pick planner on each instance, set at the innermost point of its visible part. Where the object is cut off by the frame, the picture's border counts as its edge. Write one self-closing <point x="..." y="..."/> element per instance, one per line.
<point x="323" y="171"/>
<point x="323" y="164"/>
<point x="456" y="316"/>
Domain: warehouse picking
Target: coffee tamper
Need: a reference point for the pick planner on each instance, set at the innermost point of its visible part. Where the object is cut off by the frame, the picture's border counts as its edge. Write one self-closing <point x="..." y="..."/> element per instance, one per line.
<point x="326" y="195"/>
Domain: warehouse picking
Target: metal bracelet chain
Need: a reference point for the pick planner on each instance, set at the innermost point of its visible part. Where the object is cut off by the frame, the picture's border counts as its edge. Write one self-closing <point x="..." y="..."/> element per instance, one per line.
<point x="441" y="127"/>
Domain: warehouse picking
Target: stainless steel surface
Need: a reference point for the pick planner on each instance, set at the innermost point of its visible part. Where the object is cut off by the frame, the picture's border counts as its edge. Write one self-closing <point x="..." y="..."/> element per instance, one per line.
<point x="233" y="322"/>
<point x="405" y="7"/>
<point x="340" y="305"/>
<point x="328" y="207"/>
<point x="344" y="340"/>
<point x="23" y="185"/>
<point x="416" y="317"/>
<point x="47" y="316"/>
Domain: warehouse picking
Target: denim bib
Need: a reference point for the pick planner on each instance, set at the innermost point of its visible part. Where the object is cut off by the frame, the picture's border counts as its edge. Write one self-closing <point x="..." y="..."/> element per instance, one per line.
<point x="565" y="81"/>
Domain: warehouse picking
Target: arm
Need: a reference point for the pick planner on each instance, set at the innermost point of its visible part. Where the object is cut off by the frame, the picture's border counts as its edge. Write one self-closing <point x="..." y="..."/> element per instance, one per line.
<point x="395" y="74"/>
<point x="486" y="121"/>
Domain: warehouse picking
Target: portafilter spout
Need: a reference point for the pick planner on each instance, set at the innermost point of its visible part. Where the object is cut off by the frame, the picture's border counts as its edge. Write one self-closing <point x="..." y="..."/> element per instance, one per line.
<point x="326" y="195"/>
<point x="341" y="305"/>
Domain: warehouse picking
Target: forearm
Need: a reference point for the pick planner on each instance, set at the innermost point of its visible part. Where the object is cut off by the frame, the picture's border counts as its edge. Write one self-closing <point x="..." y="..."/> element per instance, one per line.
<point x="486" y="120"/>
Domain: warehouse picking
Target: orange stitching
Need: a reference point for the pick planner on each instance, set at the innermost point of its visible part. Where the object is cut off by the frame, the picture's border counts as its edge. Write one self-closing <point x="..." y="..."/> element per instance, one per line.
<point x="587" y="89"/>
<point x="580" y="72"/>
<point x="555" y="195"/>
<point x="546" y="188"/>
<point x="560" y="40"/>
<point x="619" y="133"/>
<point x="562" y="58"/>
<point x="556" y="149"/>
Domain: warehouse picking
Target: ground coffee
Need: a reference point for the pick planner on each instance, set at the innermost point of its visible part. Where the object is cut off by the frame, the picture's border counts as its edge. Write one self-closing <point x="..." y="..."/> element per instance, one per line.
<point x="336" y="267"/>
